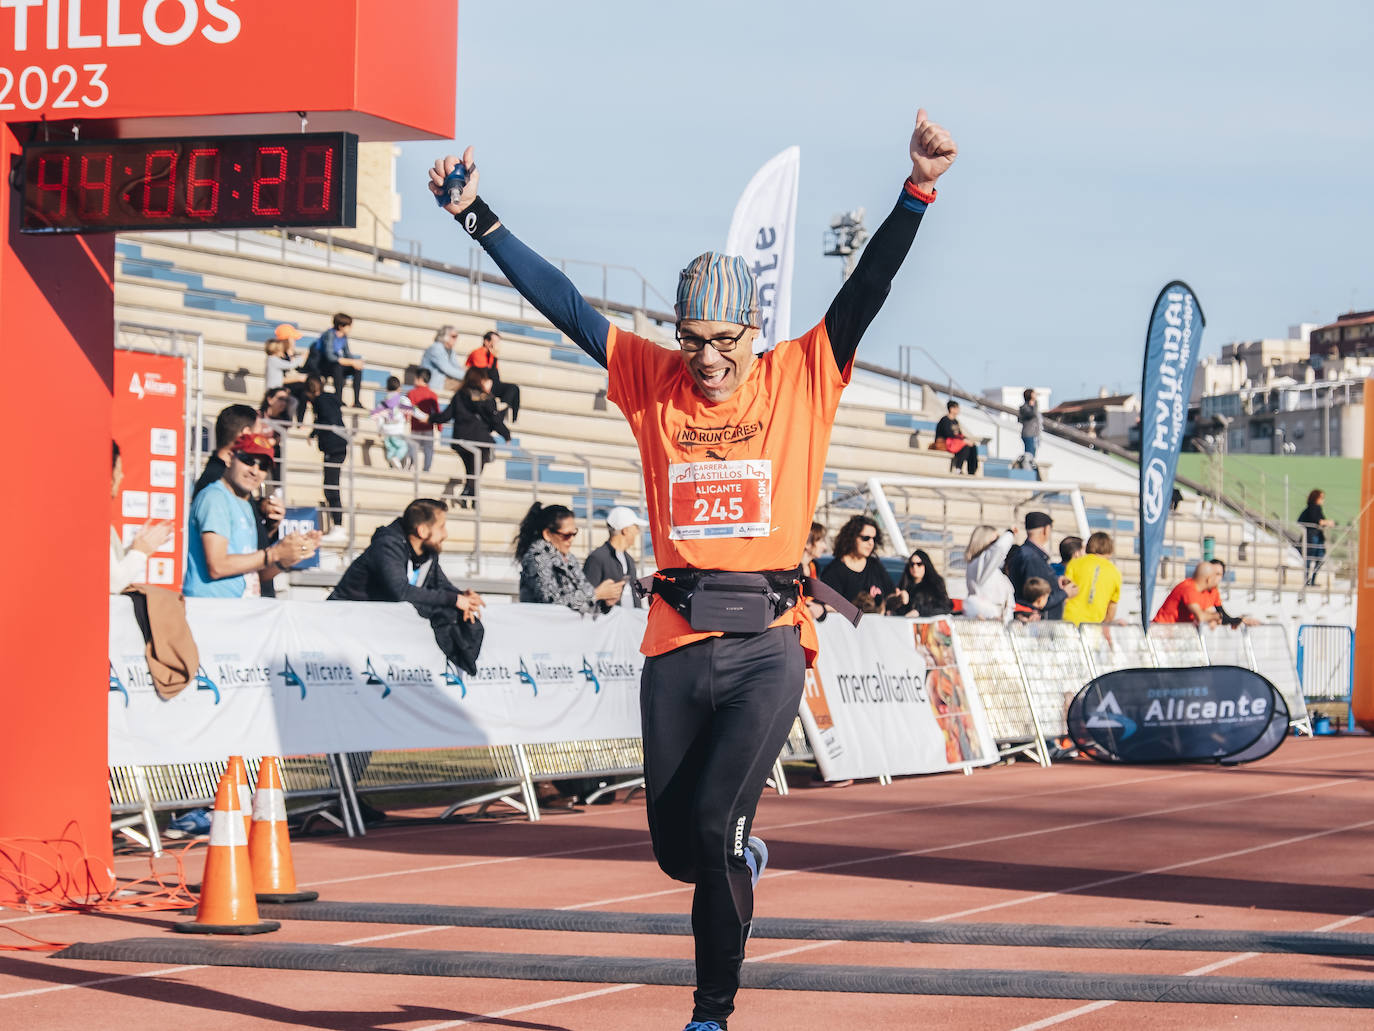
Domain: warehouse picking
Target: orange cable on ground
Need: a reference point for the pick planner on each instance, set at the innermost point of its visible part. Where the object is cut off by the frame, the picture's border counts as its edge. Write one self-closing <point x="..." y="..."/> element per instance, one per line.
<point x="59" y="875"/>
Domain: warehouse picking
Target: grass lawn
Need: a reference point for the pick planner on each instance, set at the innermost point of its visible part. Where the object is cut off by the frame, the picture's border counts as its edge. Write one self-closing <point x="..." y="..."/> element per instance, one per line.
<point x="1339" y="477"/>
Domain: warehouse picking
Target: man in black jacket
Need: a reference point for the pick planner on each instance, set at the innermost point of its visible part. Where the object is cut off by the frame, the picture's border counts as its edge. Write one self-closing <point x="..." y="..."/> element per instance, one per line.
<point x="613" y="561"/>
<point x="1032" y="559"/>
<point x="402" y="564"/>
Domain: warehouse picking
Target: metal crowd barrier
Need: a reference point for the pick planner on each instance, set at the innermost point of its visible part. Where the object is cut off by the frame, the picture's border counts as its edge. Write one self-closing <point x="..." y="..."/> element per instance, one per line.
<point x="1001" y="682"/>
<point x="1056" y="667"/>
<point x="619" y="760"/>
<point x="1115" y="647"/>
<point x="1326" y="665"/>
<point x="138" y="793"/>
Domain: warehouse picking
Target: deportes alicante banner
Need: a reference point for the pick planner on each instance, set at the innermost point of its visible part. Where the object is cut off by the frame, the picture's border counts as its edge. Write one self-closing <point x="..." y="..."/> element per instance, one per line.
<point x="762" y="231"/>
<point x="301" y="678"/>
<point x="892" y="697"/>
<point x="1172" y="344"/>
<point x="1224" y="714"/>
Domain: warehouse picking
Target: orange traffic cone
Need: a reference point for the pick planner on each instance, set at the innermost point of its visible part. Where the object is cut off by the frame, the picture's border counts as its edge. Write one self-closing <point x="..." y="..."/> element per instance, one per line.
<point x="239" y="771"/>
<point x="269" y="843"/>
<point x="227" y="905"/>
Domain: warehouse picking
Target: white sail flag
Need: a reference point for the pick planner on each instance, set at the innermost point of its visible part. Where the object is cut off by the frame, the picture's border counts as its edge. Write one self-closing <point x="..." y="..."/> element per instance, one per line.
<point x="762" y="231"/>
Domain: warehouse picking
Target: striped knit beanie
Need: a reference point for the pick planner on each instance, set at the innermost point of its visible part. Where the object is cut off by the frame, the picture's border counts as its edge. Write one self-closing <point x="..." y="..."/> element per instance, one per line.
<point x="718" y="288"/>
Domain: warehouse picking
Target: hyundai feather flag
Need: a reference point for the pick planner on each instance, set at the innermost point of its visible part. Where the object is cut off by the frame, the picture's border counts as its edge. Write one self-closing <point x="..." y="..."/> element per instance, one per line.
<point x="1171" y="350"/>
<point x="762" y="231"/>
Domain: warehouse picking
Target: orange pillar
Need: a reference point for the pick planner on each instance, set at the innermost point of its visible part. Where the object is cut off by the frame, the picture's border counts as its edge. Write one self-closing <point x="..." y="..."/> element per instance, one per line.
<point x="56" y="358"/>
<point x="1363" y="699"/>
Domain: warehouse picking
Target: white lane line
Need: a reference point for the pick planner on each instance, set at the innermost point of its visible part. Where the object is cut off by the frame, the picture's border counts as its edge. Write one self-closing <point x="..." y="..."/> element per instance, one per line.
<point x="1156" y="870"/>
<point x="561" y="1000"/>
<point x="978" y="841"/>
<point x="181" y="970"/>
<point x="1067" y="1015"/>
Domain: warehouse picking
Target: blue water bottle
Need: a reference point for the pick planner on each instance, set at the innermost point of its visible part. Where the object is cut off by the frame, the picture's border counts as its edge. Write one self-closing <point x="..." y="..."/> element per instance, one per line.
<point x="452" y="190"/>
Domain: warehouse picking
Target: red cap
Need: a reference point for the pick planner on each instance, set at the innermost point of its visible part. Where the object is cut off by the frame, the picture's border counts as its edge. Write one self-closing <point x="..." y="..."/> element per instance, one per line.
<point x="253" y="444"/>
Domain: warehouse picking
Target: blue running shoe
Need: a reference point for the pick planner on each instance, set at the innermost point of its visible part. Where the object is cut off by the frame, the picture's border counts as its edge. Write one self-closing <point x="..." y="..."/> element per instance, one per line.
<point x="702" y="1025"/>
<point x="756" y="855"/>
<point x="192" y="822"/>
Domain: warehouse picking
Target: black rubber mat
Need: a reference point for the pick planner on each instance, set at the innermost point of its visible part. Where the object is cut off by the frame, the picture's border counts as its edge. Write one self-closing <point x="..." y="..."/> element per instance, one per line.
<point x="1048" y="936"/>
<point x="1019" y="984"/>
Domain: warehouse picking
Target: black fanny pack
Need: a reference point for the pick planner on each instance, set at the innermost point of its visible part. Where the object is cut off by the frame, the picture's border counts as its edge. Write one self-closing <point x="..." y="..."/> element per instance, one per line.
<point x="736" y="603"/>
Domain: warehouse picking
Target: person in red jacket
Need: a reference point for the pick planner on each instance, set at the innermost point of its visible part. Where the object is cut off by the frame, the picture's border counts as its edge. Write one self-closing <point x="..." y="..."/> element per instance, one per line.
<point x="427" y="403"/>
<point x="485" y="357"/>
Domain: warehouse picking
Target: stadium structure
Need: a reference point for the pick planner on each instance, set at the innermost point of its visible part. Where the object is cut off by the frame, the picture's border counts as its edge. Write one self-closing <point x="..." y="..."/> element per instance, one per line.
<point x="216" y="297"/>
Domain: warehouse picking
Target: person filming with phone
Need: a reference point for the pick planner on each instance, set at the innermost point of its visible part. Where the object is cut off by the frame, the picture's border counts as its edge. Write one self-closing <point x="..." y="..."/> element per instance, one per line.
<point x="613" y="561"/>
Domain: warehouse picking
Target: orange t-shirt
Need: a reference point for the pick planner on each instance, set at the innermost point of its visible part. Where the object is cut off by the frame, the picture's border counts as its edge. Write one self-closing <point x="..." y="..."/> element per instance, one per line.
<point x="1175" y="608"/>
<point x="481" y="359"/>
<point x="730" y="485"/>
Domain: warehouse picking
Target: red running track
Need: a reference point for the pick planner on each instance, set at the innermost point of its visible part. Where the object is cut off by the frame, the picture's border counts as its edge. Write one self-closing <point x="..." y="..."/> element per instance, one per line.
<point x="1287" y="844"/>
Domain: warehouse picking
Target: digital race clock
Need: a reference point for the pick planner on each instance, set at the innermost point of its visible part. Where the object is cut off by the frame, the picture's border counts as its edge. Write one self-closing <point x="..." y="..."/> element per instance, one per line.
<point x="215" y="182"/>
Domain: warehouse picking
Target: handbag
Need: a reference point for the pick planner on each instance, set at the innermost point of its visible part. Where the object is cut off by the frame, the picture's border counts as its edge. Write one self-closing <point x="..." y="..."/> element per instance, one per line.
<point x="955" y="444"/>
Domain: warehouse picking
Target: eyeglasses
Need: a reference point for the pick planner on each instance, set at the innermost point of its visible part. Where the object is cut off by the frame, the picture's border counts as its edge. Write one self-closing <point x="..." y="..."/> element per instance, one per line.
<point x="869" y="537"/>
<point x="916" y="562"/>
<point x="261" y="462"/>
<point x="691" y="343"/>
<point x="564" y="535"/>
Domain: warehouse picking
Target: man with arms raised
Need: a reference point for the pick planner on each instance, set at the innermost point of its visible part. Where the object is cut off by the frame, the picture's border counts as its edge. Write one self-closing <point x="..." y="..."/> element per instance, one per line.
<point x="733" y="448"/>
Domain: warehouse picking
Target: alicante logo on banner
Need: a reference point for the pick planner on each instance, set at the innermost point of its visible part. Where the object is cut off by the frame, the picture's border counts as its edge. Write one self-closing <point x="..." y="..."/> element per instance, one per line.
<point x="1193" y="714"/>
<point x="118" y="685"/>
<point x="204" y="683"/>
<point x="316" y="670"/>
<point x="453" y="677"/>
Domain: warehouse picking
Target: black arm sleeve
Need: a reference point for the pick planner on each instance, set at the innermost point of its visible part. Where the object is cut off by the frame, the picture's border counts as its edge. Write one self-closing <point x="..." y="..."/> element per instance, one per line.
<point x="863" y="293"/>
<point x="551" y="292"/>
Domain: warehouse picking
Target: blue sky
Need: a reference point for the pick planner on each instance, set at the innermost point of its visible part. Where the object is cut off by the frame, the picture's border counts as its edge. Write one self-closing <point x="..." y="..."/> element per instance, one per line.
<point x="1104" y="150"/>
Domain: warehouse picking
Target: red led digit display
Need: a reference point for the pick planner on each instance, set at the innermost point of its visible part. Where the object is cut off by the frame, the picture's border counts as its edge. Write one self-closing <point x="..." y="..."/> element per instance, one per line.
<point x="216" y="182"/>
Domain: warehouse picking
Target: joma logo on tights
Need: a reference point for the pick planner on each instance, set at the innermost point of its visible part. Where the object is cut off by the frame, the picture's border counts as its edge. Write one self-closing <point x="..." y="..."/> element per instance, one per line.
<point x="739" y="836"/>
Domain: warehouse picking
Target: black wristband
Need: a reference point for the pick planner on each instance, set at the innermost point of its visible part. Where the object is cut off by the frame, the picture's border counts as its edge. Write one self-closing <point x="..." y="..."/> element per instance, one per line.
<point x="476" y="219"/>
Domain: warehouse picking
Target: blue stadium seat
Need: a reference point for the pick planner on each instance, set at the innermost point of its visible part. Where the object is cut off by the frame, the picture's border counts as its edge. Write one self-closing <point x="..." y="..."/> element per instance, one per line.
<point x="520" y="329"/>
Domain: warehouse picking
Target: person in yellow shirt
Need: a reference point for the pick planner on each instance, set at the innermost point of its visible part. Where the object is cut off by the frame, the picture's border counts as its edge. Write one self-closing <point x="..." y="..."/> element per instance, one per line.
<point x="1098" y="580"/>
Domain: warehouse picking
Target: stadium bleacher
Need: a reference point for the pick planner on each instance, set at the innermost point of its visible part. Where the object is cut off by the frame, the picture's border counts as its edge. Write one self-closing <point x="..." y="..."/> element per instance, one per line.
<point x="571" y="446"/>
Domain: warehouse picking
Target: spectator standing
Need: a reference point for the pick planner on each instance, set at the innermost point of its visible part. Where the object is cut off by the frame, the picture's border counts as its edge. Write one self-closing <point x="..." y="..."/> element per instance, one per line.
<point x="278" y="406"/>
<point x="393" y="420"/>
<point x="440" y="360"/>
<point x="549" y="575"/>
<point x="1314" y="522"/>
<point x="232" y="422"/>
<point x="1069" y="549"/>
<point x="283" y="366"/>
<point x="990" y="594"/>
<point x="485" y="357"/>
<point x="1032" y="423"/>
<point x="920" y="589"/>
<point x="856" y="570"/>
<point x="1098" y="581"/>
<point x="332" y="359"/>
<point x="949" y="436"/>
<point x="426" y="408"/>
<point x="613" y="561"/>
<point x="128" y="566"/>
<point x="1190" y="600"/>
<point x="475" y="418"/>
<point x="223" y="556"/>
<point x="1037" y="594"/>
<point x="814" y="548"/>
<point x="1214" y="597"/>
<point x="334" y="446"/>
<point x="1033" y="559"/>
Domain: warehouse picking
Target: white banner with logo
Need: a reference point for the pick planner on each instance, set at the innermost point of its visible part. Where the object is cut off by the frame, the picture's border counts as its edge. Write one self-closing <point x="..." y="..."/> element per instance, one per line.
<point x="893" y="697"/>
<point x="296" y="678"/>
<point x="762" y="231"/>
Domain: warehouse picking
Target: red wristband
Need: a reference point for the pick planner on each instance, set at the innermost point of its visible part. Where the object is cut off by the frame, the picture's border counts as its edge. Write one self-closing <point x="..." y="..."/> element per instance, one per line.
<point x="920" y="194"/>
